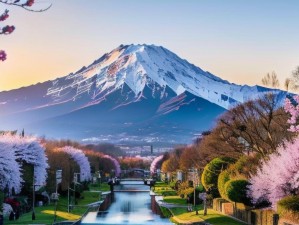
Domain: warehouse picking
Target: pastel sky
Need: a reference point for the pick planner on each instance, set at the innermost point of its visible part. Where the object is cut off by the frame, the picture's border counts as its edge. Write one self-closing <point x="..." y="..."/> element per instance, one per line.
<point x="237" y="40"/>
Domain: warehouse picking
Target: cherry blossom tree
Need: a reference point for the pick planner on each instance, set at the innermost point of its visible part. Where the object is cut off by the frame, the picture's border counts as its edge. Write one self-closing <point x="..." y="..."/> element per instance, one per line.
<point x="18" y="149"/>
<point x="292" y="107"/>
<point x="10" y="170"/>
<point x="7" y="209"/>
<point x="279" y="176"/>
<point x="31" y="151"/>
<point x="155" y="162"/>
<point x="116" y="164"/>
<point x="79" y="157"/>
<point x="8" y="29"/>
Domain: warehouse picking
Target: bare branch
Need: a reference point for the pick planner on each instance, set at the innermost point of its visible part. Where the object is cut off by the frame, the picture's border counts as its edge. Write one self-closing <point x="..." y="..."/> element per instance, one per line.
<point x="25" y="5"/>
<point x="271" y="80"/>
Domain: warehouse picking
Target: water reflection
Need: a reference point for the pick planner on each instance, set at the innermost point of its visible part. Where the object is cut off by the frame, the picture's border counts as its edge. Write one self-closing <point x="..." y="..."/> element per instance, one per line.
<point x="131" y="206"/>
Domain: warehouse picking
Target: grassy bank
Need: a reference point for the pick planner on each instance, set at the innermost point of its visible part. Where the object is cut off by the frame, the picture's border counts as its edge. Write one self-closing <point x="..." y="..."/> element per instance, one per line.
<point x="180" y="214"/>
<point x="45" y="214"/>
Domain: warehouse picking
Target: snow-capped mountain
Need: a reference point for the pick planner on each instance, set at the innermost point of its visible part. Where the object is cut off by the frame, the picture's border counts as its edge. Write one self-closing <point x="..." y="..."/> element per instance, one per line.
<point x="133" y="90"/>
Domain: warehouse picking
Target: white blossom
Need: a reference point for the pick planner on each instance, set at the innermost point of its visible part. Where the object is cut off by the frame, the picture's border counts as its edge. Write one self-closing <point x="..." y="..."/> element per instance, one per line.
<point x="10" y="171"/>
<point x="79" y="157"/>
<point x="17" y="149"/>
<point x="7" y="209"/>
<point x="116" y="164"/>
<point x="153" y="166"/>
<point x="279" y="176"/>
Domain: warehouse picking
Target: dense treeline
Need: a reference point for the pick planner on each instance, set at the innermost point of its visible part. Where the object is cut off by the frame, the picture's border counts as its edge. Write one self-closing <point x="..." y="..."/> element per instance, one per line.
<point x="256" y="128"/>
<point x="99" y="162"/>
<point x="241" y="158"/>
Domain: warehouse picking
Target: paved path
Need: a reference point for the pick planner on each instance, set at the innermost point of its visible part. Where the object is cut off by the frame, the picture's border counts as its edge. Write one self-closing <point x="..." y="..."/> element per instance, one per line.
<point x="199" y="221"/>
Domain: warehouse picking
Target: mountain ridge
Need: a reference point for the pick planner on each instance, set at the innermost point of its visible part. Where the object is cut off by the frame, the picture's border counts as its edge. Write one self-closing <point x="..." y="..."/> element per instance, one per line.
<point x="119" y="82"/>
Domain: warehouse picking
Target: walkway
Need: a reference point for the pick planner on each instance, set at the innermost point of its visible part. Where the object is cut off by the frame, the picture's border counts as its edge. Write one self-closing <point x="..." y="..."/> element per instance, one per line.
<point x="195" y="220"/>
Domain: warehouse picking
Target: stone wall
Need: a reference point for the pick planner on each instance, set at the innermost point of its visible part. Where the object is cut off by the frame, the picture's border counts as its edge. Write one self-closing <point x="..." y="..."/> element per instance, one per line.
<point x="249" y="215"/>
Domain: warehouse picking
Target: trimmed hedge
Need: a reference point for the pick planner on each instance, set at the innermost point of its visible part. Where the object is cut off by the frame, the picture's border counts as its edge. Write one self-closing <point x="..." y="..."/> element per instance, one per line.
<point x="169" y="193"/>
<point x="165" y="212"/>
<point x="289" y="207"/>
<point x="209" y="178"/>
<point x="236" y="191"/>
<point x="223" y="178"/>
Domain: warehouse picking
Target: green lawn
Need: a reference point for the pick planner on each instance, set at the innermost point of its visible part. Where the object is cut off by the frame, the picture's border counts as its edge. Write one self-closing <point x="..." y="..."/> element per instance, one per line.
<point x="175" y="200"/>
<point x="212" y="217"/>
<point x="99" y="187"/>
<point x="79" y="209"/>
<point x="41" y="218"/>
<point x="162" y="188"/>
<point x="161" y="184"/>
<point x="180" y="214"/>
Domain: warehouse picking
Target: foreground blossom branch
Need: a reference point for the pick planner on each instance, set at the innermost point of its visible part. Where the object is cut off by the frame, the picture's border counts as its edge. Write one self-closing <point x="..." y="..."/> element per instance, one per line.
<point x="8" y="29"/>
<point x="25" y="4"/>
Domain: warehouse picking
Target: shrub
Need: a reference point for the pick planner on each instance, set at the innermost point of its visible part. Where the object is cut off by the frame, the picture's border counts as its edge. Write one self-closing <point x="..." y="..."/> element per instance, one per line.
<point x="211" y="172"/>
<point x="184" y="189"/>
<point x="200" y="188"/>
<point x="223" y="178"/>
<point x="177" y="185"/>
<point x="165" y="212"/>
<point x="236" y="191"/>
<point x="288" y="207"/>
<point x="169" y="193"/>
<point x="245" y="166"/>
<point x="172" y="184"/>
<point x="289" y="203"/>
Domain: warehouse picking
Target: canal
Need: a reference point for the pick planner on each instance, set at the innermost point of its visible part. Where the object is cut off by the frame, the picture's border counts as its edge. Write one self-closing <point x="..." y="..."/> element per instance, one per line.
<point x="132" y="205"/>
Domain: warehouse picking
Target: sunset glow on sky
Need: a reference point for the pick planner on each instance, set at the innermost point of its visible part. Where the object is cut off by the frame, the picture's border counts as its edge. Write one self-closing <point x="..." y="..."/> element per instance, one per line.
<point x="239" y="41"/>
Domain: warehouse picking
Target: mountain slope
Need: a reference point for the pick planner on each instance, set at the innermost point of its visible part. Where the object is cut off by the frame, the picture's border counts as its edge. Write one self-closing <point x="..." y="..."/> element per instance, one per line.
<point x="135" y="90"/>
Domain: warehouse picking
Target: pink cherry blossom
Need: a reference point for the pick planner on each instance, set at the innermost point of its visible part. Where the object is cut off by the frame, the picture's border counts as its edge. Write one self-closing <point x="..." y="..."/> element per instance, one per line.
<point x="153" y="166"/>
<point x="294" y="112"/>
<point x="15" y="149"/>
<point x="79" y="157"/>
<point x="116" y="164"/>
<point x="278" y="176"/>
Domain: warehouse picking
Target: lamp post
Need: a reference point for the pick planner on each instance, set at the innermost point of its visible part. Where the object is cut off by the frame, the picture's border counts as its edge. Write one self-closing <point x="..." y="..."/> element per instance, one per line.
<point x="194" y="183"/>
<point x="33" y="197"/>
<point x="75" y="182"/>
<point x="68" y="198"/>
<point x="58" y="181"/>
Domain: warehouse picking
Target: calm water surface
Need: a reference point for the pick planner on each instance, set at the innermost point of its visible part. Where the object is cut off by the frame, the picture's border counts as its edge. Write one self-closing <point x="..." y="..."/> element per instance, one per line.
<point x="131" y="206"/>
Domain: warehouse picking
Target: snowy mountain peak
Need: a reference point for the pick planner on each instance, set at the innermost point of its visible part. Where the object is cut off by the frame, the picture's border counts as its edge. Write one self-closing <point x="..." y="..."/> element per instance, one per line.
<point x="131" y="91"/>
<point x="136" y="66"/>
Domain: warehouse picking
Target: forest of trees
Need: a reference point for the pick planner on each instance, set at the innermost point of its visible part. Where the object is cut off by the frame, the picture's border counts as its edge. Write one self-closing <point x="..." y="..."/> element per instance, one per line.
<point x="250" y="156"/>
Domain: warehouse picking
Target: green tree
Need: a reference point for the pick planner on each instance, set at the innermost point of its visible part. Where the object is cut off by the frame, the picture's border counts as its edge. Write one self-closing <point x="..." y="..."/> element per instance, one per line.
<point x="236" y="191"/>
<point x="209" y="178"/>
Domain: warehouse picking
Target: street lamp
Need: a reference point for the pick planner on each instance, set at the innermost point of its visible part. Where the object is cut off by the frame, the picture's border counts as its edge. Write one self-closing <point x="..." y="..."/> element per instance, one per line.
<point x="33" y="199"/>
<point x="58" y="181"/>
<point x="75" y="182"/>
<point x="33" y="196"/>
<point x="68" y="198"/>
<point x="194" y="184"/>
